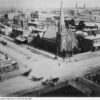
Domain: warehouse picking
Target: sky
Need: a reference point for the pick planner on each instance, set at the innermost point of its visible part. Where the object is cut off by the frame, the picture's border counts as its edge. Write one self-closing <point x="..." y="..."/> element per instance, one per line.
<point x="48" y="3"/>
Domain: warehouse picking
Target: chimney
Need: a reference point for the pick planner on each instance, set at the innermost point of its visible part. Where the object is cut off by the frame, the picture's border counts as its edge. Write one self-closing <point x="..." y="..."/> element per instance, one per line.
<point x="84" y="5"/>
<point x="76" y="5"/>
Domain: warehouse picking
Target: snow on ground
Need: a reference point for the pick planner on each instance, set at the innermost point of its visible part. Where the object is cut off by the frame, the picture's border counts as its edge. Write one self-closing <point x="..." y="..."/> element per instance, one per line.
<point x="42" y="66"/>
<point x="15" y="85"/>
<point x="46" y="68"/>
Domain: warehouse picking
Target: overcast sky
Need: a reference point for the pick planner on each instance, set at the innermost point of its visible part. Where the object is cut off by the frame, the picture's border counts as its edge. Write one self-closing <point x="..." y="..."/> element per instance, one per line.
<point x="48" y="3"/>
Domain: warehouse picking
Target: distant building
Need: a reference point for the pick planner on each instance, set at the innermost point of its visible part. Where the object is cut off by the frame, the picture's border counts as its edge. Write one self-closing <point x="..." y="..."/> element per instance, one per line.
<point x="35" y="15"/>
<point x="20" y="21"/>
<point x="71" y="12"/>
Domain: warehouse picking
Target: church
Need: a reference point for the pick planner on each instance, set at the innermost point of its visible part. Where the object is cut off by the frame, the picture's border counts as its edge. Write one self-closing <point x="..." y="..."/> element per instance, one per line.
<point x="59" y="38"/>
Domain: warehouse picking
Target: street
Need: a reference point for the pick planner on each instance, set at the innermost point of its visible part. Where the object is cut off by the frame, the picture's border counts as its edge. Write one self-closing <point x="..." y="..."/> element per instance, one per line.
<point x="43" y="66"/>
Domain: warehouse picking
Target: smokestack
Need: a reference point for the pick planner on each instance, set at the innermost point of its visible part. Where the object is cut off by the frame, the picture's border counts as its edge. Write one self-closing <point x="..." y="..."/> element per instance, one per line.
<point x="76" y="5"/>
<point x="84" y="5"/>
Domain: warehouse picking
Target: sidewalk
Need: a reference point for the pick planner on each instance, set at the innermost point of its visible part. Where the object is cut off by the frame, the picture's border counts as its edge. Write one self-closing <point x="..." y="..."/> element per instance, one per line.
<point x="77" y="57"/>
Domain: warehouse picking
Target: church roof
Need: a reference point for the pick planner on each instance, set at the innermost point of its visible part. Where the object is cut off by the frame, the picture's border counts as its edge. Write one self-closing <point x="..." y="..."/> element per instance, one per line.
<point x="51" y="33"/>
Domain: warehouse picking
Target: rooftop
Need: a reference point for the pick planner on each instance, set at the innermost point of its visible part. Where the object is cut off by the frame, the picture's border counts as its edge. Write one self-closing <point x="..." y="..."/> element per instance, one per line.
<point x="93" y="37"/>
<point x="51" y="33"/>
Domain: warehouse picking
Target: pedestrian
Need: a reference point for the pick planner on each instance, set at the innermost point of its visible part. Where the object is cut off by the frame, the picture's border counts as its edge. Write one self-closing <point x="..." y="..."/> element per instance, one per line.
<point x="6" y="57"/>
<point x="0" y="78"/>
<point x="59" y="64"/>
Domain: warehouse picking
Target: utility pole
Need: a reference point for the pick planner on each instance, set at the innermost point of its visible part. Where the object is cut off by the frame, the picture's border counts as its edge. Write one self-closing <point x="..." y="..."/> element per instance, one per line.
<point x="58" y="38"/>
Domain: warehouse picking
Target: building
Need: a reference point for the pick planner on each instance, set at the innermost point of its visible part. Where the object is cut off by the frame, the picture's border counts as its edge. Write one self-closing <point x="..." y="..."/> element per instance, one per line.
<point x="34" y="15"/>
<point x="6" y="63"/>
<point x="20" y="21"/>
<point x="94" y="40"/>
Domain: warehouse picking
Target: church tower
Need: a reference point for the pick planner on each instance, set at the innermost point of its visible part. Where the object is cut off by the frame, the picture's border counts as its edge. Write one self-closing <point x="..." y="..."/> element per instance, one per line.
<point x="66" y="41"/>
<point x="61" y="34"/>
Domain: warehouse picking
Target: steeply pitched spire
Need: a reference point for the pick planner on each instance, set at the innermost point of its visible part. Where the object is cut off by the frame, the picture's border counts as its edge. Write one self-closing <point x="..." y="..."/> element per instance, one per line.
<point x="61" y="22"/>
